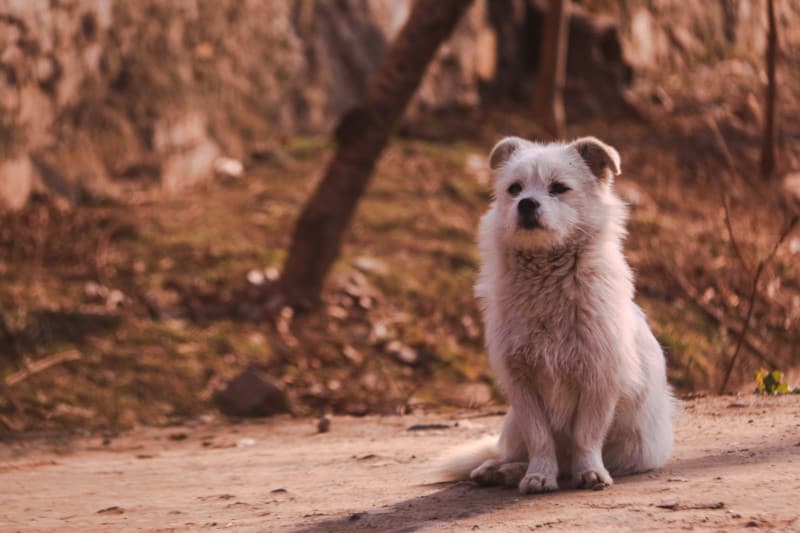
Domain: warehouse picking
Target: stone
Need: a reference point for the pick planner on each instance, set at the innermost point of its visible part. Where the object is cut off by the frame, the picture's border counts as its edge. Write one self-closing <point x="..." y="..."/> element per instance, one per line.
<point x="188" y="152"/>
<point x="252" y="394"/>
<point x="791" y="184"/>
<point x="16" y="183"/>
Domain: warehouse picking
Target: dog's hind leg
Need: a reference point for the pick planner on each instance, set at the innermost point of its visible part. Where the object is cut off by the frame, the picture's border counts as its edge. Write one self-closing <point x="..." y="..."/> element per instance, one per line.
<point x="641" y="439"/>
<point x="641" y="436"/>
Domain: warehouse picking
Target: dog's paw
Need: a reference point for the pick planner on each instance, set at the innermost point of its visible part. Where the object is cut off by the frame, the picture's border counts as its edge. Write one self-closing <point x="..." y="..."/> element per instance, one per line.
<point x="487" y="474"/>
<point x="593" y="480"/>
<point x="535" y="483"/>
<point x="512" y="473"/>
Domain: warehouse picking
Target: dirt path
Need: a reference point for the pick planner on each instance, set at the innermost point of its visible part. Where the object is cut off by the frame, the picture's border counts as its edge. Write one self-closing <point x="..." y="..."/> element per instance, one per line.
<point x="737" y="465"/>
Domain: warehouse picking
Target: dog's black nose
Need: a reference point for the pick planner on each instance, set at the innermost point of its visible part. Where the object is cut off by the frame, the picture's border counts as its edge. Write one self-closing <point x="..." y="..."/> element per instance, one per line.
<point x="528" y="213"/>
<point x="527" y="206"/>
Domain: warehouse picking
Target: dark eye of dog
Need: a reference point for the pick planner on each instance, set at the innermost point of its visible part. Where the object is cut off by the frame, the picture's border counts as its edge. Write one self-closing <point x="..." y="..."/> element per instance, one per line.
<point x="514" y="189"/>
<point x="558" y="188"/>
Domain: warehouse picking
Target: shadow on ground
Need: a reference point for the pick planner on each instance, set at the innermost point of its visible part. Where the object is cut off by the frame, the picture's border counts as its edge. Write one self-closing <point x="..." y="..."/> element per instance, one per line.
<point x="465" y="500"/>
<point x="454" y="502"/>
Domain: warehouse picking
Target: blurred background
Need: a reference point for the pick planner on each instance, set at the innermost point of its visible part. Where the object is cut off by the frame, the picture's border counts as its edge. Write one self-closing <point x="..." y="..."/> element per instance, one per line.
<point x="158" y="163"/>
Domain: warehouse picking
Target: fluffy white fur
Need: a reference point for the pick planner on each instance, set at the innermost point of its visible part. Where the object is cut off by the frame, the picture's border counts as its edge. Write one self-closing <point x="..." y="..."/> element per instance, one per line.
<point x="583" y="372"/>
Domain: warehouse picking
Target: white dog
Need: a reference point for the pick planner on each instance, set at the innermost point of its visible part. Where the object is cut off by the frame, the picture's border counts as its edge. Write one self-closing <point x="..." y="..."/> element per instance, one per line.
<point x="583" y="372"/>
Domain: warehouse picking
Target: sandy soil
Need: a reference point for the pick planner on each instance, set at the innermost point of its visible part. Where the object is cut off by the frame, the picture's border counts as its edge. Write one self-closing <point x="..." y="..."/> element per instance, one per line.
<point x="736" y="465"/>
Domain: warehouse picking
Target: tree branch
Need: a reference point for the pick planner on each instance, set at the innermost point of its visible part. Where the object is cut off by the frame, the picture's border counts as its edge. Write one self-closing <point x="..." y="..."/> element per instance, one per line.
<point x="751" y="300"/>
<point x="41" y="365"/>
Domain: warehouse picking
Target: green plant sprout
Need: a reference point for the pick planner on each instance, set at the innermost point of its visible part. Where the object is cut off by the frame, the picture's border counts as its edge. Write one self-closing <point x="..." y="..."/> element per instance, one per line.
<point x="773" y="383"/>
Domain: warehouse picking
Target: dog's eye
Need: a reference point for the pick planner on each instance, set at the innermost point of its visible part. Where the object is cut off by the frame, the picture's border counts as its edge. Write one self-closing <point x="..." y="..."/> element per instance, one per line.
<point x="558" y="188"/>
<point x="514" y="189"/>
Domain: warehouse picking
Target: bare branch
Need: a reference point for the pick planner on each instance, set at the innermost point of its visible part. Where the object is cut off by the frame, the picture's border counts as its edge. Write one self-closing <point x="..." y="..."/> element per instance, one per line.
<point x="751" y="300"/>
<point x="737" y="250"/>
<point x="41" y="365"/>
<point x="722" y="145"/>
<point x="718" y="316"/>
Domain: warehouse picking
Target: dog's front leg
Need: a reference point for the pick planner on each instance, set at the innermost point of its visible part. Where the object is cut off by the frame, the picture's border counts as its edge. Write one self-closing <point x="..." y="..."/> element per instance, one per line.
<point x="510" y="465"/>
<point x="542" y="472"/>
<point x="593" y="416"/>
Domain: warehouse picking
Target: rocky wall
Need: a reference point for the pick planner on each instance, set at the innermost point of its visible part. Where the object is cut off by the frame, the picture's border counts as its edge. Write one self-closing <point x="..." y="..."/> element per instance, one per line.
<point x="97" y="91"/>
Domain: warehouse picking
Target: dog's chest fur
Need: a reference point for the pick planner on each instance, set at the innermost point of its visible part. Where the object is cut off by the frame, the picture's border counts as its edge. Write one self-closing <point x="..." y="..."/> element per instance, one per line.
<point x="555" y="317"/>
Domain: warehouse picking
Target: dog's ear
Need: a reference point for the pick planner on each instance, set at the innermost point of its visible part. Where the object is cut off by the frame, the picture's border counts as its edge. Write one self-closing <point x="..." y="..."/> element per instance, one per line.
<point x="503" y="150"/>
<point x="598" y="156"/>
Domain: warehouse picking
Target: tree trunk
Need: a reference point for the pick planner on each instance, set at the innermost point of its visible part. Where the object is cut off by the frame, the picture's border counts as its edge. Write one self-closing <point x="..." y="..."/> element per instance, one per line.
<point x="361" y="136"/>
<point x="769" y="149"/>
<point x="549" y="101"/>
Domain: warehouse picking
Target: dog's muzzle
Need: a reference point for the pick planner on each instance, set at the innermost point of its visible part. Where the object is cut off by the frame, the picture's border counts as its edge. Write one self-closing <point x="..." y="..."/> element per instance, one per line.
<point x="528" y="214"/>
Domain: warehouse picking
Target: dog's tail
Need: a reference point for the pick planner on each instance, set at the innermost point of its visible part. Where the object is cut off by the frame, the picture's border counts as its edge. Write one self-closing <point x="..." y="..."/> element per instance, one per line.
<point x="457" y="463"/>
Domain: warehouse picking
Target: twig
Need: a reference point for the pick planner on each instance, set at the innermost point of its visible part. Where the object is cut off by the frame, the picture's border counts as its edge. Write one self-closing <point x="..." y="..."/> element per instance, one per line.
<point x="691" y="506"/>
<point x="734" y="243"/>
<point x="717" y="315"/>
<point x="751" y="300"/>
<point x="725" y="150"/>
<point x="722" y="145"/>
<point x="41" y="365"/>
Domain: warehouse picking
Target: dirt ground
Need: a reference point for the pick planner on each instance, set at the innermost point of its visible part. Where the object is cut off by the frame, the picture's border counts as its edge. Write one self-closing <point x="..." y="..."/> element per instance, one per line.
<point x="736" y="465"/>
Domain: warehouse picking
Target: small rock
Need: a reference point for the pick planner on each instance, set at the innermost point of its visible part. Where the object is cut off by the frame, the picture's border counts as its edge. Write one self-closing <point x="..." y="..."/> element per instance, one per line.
<point x="336" y="311"/>
<point x="95" y="292"/>
<point x="256" y="277"/>
<point x="324" y="424"/>
<point x="252" y="394"/>
<point x="352" y="354"/>
<point x="426" y="427"/>
<point x="245" y="442"/>
<point x="379" y="331"/>
<point x="17" y="178"/>
<point x="114" y="509"/>
<point x="402" y="352"/>
<point x="204" y="51"/>
<point x="271" y="273"/>
<point x="116" y="299"/>
<point x="229" y="167"/>
<point x="791" y="184"/>
<point x="187" y="149"/>
<point x="371" y="264"/>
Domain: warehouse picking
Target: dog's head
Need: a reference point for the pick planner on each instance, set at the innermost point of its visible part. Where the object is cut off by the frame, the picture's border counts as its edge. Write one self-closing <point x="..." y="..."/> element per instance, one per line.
<point x="549" y="194"/>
